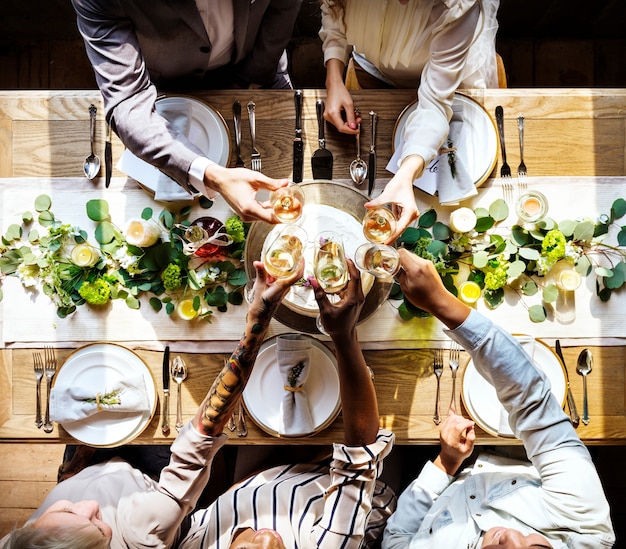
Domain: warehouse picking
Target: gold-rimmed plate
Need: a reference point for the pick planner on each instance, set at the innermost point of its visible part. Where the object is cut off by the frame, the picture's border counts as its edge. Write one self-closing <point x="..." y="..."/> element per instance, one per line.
<point x="479" y="150"/>
<point x="346" y="201"/>
<point x="264" y="391"/>
<point x="480" y="398"/>
<point x="100" y="365"/>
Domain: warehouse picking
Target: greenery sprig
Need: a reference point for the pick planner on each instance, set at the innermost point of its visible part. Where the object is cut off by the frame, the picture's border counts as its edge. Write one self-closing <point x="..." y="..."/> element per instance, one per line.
<point x="518" y="258"/>
<point x="121" y="270"/>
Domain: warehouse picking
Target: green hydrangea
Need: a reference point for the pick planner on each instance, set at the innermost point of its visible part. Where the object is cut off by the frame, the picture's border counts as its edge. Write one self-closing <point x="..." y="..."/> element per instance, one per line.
<point x="97" y="292"/>
<point x="172" y="277"/>
<point x="235" y="228"/>
<point x="497" y="273"/>
<point x="553" y="246"/>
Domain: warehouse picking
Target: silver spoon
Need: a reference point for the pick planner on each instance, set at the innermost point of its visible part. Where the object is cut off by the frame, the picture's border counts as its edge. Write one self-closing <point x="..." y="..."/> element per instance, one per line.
<point x="179" y="374"/>
<point x="91" y="166"/>
<point x="583" y="367"/>
<point x="358" y="167"/>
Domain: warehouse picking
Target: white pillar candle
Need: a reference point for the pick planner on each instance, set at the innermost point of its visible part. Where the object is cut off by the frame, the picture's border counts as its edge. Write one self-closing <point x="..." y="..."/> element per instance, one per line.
<point x="141" y="233"/>
<point x="462" y="220"/>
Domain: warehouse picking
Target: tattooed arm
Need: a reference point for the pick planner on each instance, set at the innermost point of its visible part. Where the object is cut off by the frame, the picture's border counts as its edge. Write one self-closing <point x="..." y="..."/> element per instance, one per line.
<point x="222" y="397"/>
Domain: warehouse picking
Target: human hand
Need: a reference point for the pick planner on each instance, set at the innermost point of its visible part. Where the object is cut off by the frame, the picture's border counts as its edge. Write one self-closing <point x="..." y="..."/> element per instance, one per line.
<point x="341" y="317"/>
<point x="239" y="187"/>
<point x="399" y="193"/>
<point x="339" y="109"/>
<point x="456" y="435"/>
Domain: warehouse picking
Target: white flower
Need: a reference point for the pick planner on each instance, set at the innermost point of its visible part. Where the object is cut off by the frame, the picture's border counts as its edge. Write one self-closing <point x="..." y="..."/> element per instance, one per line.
<point x="28" y="275"/>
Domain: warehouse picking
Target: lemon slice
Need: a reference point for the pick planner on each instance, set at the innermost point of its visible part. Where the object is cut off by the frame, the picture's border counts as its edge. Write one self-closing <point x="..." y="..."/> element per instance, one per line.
<point x="469" y="292"/>
<point x="185" y="309"/>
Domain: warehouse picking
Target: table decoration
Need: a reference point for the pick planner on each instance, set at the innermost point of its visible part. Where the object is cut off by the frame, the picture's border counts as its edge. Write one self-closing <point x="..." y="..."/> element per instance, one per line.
<point x="150" y="256"/>
<point x="520" y="258"/>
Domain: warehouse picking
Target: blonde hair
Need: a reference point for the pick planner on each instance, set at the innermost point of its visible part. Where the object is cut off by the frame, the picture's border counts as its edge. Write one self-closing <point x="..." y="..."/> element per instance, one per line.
<point x="58" y="537"/>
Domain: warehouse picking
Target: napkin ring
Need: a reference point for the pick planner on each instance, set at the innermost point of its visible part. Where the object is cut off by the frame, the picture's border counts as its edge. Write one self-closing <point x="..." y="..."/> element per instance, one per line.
<point x="292" y="389"/>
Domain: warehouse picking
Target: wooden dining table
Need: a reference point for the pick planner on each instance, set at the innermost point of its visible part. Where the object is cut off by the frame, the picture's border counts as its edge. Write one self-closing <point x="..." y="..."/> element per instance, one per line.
<point x="570" y="133"/>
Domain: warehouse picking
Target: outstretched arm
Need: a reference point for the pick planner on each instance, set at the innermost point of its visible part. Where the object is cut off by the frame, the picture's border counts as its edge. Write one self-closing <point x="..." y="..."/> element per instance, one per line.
<point x="222" y="397"/>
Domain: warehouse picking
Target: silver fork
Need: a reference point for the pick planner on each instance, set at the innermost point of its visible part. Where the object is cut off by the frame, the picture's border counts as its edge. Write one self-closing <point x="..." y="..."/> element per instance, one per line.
<point x="256" y="155"/>
<point x="50" y="368"/>
<point x="453" y="361"/>
<point x="505" y="170"/>
<point x="38" y="365"/>
<point x="438" y="369"/>
<point x="521" y="169"/>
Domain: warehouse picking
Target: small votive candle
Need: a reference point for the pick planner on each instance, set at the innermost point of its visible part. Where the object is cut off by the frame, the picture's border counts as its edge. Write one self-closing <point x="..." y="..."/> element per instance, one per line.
<point x="141" y="233"/>
<point x="462" y="220"/>
<point x="532" y="206"/>
<point x="565" y="276"/>
<point x="84" y="255"/>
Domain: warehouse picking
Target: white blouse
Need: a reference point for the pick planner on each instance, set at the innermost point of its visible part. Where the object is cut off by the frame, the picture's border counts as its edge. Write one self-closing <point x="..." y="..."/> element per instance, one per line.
<point x="437" y="46"/>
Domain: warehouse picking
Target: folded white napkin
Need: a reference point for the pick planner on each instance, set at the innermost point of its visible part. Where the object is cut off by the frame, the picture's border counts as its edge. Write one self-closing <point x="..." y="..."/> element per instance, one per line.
<point x="528" y="344"/>
<point x="293" y="353"/>
<point x="454" y="188"/>
<point x="72" y="403"/>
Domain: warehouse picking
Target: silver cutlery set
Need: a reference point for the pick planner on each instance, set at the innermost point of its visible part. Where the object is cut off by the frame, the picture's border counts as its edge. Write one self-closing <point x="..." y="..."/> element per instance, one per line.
<point x="176" y="370"/>
<point x="438" y="367"/>
<point x="44" y="366"/>
<point x="505" y="170"/>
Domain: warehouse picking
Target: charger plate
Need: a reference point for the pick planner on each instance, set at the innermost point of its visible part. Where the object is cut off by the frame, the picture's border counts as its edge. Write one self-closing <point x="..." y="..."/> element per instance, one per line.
<point x="480" y="398"/>
<point x="480" y="139"/>
<point x="264" y="391"/>
<point x="100" y="365"/>
<point x="346" y="202"/>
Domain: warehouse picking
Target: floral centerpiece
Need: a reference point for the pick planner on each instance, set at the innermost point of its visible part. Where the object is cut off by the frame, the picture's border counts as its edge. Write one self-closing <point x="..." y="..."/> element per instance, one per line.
<point x="150" y="256"/>
<point x="478" y="247"/>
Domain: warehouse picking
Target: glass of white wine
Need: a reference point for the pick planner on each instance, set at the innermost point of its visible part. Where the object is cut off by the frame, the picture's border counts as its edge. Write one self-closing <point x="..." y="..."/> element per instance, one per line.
<point x="329" y="262"/>
<point x="287" y="203"/>
<point x="285" y="251"/>
<point x="377" y="259"/>
<point x="379" y="224"/>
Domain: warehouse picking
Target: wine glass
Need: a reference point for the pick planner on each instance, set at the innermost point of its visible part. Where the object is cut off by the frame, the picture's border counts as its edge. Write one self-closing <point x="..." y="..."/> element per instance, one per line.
<point x="377" y="259"/>
<point x="287" y="203"/>
<point x="285" y="251"/>
<point x="379" y="224"/>
<point x="329" y="262"/>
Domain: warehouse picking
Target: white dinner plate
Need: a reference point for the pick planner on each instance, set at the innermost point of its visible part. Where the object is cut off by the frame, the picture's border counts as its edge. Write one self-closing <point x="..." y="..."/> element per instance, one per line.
<point x="264" y="391"/>
<point x="480" y="139"/>
<point x="100" y="365"/>
<point x="480" y="398"/>
<point x="207" y="131"/>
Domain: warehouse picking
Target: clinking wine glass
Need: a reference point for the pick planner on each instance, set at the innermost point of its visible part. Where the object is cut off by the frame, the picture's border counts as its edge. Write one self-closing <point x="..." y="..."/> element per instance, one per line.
<point x="379" y="224"/>
<point x="378" y="260"/>
<point x="287" y="203"/>
<point x="285" y="251"/>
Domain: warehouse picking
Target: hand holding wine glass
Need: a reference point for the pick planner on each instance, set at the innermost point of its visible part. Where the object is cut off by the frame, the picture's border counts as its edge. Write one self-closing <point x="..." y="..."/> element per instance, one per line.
<point x="379" y="224"/>
<point x="329" y="262"/>
<point x="379" y="260"/>
<point x="285" y="251"/>
<point x="287" y="203"/>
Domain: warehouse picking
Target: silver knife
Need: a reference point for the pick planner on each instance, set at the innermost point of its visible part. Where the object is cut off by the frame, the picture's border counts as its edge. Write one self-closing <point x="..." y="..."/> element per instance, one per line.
<point x="371" y="168"/>
<point x="298" y="144"/>
<point x="573" y="412"/>
<point x="165" y="425"/>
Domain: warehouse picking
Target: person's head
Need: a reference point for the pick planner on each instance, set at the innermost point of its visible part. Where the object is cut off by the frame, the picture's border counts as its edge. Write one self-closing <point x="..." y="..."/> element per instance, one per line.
<point x="508" y="538"/>
<point x="256" y="539"/>
<point x="64" y="525"/>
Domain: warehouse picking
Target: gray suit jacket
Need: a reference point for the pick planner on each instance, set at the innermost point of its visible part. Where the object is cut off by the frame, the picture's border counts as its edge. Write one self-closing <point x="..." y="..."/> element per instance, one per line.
<point x="136" y="45"/>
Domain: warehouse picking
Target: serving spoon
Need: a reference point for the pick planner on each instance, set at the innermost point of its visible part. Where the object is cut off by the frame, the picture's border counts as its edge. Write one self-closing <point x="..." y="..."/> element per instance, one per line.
<point x="358" y="167"/>
<point x="179" y="374"/>
<point x="583" y="367"/>
<point x="91" y="166"/>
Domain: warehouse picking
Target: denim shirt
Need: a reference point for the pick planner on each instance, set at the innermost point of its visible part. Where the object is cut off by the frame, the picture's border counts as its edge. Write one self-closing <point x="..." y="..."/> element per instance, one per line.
<point x="557" y="493"/>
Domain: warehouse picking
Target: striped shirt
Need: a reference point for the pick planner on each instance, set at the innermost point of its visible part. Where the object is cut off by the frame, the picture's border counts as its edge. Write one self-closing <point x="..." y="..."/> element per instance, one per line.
<point x="343" y="505"/>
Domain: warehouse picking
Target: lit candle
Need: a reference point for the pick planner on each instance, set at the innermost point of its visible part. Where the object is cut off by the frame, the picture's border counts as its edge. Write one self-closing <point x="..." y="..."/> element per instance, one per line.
<point x="532" y="206"/>
<point x="84" y="255"/>
<point x="142" y="233"/>
<point x="462" y="220"/>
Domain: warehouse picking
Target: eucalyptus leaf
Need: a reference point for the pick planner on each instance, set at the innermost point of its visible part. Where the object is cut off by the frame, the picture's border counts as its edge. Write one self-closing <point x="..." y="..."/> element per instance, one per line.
<point x="33" y="236"/>
<point x="547" y="224"/>
<point x="530" y="288"/>
<point x="14" y="232"/>
<point x="529" y="253"/>
<point x="46" y="218"/>
<point x="155" y="303"/>
<point x="235" y="298"/>
<point x="216" y="298"/>
<point x="146" y="214"/>
<point x="484" y="224"/>
<point x="621" y="237"/>
<point x="537" y="313"/>
<point x="583" y="265"/>
<point x="238" y="277"/>
<point x="619" y="275"/>
<point x="499" y="210"/>
<point x="584" y="231"/>
<point x="204" y="202"/>
<point x="519" y="236"/>
<point x="618" y="209"/>
<point x="427" y="219"/>
<point x="480" y="260"/>
<point x="185" y="211"/>
<point x="27" y="217"/>
<point x="481" y="212"/>
<point x="494" y="298"/>
<point x="604" y="272"/>
<point x="438" y="248"/>
<point x="604" y="294"/>
<point x="516" y="268"/>
<point x="550" y="293"/>
<point x="567" y="227"/>
<point x="43" y="203"/>
<point x="167" y="218"/>
<point x="105" y="232"/>
<point x="441" y="231"/>
<point x="97" y="209"/>
<point x="169" y="307"/>
<point x="132" y="302"/>
<point x="196" y="303"/>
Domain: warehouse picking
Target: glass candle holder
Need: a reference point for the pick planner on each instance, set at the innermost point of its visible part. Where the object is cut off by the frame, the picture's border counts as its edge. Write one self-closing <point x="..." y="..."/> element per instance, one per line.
<point x="287" y="203"/>
<point x="84" y="255"/>
<point x="565" y="276"/>
<point x="531" y="206"/>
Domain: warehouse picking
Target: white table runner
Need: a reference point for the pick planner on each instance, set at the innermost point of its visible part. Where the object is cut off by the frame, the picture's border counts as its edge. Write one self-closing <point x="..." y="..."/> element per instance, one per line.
<point x="29" y="318"/>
